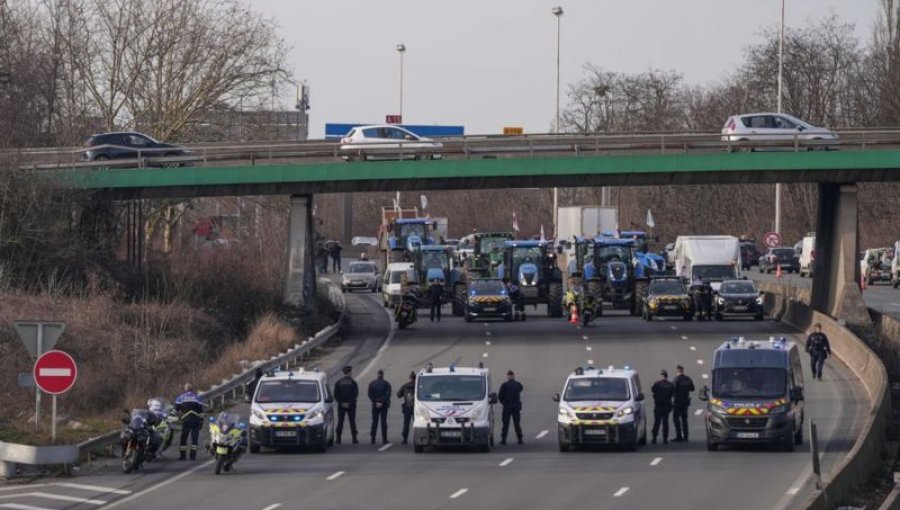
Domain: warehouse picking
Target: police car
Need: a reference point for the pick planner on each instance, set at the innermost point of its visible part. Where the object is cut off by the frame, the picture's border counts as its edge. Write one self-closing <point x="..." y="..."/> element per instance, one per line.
<point x="293" y="408"/>
<point x="488" y="298"/>
<point x="601" y="407"/>
<point x="454" y="407"/>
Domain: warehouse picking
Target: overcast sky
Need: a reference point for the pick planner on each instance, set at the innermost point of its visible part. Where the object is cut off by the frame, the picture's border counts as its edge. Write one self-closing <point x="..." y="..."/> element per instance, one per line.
<point x="492" y="63"/>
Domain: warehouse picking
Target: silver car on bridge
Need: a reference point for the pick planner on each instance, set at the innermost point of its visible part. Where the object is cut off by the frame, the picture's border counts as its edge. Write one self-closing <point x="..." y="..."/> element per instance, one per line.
<point x="775" y="127"/>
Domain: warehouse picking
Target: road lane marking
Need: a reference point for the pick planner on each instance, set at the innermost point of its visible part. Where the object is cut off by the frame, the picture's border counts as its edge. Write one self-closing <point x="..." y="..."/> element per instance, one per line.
<point x="698" y="412"/>
<point x="272" y="507"/>
<point x="95" y="488"/>
<point x="656" y="461"/>
<point x="506" y="462"/>
<point x="458" y="493"/>
<point x="674" y="328"/>
<point x="584" y="337"/>
<point x="484" y="355"/>
<point x="159" y="485"/>
<point x="488" y="343"/>
<point x="693" y="348"/>
<point x="335" y="476"/>
<point x="384" y="346"/>
<point x="793" y="490"/>
<point x="19" y="506"/>
<point x="705" y="376"/>
<point x="488" y="333"/>
<point x="589" y="348"/>
<point x="386" y="447"/>
<point x="23" y="487"/>
<point x="58" y="497"/>
<point x="621" y="492"/>
<point x="590" y="362"/>
<point x="684" y="337"/>
<point x="699" y="361"/>
<point x="541" y="434"/>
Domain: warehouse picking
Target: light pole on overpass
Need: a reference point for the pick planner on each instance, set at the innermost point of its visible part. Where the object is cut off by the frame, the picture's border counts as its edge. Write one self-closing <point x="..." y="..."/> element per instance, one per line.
<point x="558" y="12"/>
<point x="401" y="49"/>
<point x="780" y="80"/>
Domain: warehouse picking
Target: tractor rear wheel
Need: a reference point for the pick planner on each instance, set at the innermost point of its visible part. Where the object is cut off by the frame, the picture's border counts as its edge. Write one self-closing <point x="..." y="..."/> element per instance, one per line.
<point x="459" y="299"/>
<point x="554" y="299"/>
<point x="637" y="297"/>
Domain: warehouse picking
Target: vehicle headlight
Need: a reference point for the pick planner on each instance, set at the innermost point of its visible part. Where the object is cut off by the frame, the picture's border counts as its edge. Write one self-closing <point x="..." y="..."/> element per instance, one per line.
<point x="566" y="413"/>
<point x="759" y="300"/>
<point x="718" y="409"/>
<point x="314" y="415"/>
<point x="480" y="413"/>
<point x="721" y="301"/>
<point x="625" y="411"/>
<point x="653" y="302"/>
<point x="259" y="415"/>
<point x="423" y="414"/>
<point x="779" y="409"/>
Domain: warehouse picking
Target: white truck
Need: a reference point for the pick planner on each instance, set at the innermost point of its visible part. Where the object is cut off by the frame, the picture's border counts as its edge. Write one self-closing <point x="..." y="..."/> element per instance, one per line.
<point x="713" y="258"/>
<point x="585" y="220"/>
<point x="808" y="254"/>
<point x="895" y="266"/>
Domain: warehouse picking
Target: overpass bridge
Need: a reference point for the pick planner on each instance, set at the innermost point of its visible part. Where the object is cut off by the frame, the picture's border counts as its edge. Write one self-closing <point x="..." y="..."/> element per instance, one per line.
<point x="479" y="162"/>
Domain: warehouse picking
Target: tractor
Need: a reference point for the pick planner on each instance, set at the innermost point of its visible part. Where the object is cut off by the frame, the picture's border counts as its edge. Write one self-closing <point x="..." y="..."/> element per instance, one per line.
<point x="646" y="263"/>
<point x="531" y="265"/>
<point x="610" y="275"/>
<point x="487" y="252"/>
<point x="406" y="236"/>
<point x="433" y="262"/>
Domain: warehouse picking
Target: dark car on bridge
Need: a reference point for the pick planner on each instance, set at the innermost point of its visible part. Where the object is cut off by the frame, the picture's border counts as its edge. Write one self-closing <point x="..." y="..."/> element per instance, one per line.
<point x="128" y="145"/>
<point x="738" y="298"/>
<point x="783" y="256"/>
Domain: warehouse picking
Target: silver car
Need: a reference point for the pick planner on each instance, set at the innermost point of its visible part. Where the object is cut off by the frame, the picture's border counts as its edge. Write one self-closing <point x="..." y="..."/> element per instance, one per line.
<point x="361" y="276"/>
<point x="779" y="127"/>
<point x="387" y="142"/>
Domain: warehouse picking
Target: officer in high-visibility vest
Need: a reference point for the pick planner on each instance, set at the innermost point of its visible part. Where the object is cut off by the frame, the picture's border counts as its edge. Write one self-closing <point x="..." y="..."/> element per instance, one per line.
<point x="190" y="411"/>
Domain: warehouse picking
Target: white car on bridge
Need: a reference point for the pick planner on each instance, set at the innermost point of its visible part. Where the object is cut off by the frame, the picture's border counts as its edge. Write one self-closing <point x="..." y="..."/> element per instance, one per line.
<point x="775" y="127"/>
<point x="387" y="142"/>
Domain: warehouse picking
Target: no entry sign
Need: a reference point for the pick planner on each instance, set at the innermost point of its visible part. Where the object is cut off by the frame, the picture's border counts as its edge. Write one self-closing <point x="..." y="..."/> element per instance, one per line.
<point x="55" y="372"/>
<point x="772" y="239"/>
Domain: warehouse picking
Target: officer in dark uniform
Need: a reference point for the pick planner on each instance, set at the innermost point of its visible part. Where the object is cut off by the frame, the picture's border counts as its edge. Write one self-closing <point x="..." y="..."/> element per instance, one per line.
<point x="407" y="394"/>
<point x="190" y="411"/>
<point x="663" y="390"/>
<point x="380" y="395"/>
<point x="436" y="297"/>
<point x="346" y="391"/>
<point x="818" y="348"/>
<point x="511" y="398"/>
<point x="683" y="388"/>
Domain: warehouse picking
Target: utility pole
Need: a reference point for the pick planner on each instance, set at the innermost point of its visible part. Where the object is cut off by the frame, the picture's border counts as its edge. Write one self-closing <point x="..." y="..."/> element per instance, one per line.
<point x="780" y="85"/>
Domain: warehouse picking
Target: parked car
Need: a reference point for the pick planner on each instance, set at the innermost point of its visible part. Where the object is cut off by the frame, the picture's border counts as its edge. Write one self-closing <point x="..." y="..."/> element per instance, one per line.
<point x="778" y="127"/>
<point x="387" y="142"/>
<point x="750" y="255"/>
<point x="127" y="145"/>
<point x="785" y="256"/>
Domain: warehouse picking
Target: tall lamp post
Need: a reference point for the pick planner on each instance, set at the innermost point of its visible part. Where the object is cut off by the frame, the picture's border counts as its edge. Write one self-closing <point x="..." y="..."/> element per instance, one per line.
<point x="558" y="12"/>
<point x="780" y="80"/>
<point x="401" y="49"/>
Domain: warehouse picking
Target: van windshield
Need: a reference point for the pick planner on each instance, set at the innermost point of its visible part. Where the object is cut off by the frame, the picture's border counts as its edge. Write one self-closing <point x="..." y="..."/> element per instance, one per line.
<point x="443" y="388"/>
<point x="396" y="276"/>
<point x="596" y="388"/>
<point x="744" y="382"/>
<point x="287" y="391"/>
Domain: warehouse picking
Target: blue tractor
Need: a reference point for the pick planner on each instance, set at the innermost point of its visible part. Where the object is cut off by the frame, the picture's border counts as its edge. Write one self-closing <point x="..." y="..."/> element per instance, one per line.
<point x="433" y="262"/>
<point x="532" y="266"/>
<point x="646" y="263"/>
<point x="610" y="274"/>
<point x="406" y="236"/>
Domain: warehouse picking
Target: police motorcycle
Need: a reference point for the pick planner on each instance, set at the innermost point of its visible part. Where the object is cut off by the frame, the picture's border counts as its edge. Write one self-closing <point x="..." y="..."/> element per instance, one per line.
<point x="140" y="442"/>
<point x="587" y="308"/>
<point x="405" y="313"/>
<point x="166" y="419"/>
<point x="228" y="440"/>
<point x="702" y="296"/>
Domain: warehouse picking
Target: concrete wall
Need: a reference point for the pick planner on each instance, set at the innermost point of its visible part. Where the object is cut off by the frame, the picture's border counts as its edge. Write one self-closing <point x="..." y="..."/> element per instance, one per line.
<point x="787" y="305"/>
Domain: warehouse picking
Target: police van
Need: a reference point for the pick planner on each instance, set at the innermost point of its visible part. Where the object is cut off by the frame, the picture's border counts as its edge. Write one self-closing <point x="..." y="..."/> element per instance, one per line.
<point x="756" y="394"/>
<point x="454" y="407"/>
<point x="601" y="407"/>
<point x="294" y="408"/>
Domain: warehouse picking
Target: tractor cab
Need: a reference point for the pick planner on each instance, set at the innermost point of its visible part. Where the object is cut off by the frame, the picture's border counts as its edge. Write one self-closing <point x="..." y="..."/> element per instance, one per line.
<point x="409" y="234"/>
<point x="487" y="252"/>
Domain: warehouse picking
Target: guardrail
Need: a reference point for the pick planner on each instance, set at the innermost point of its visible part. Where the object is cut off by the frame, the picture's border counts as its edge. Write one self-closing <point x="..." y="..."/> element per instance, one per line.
<point x="786" y="304"/>
<point x="477" y="146"/>
<point x="217" y="396"/>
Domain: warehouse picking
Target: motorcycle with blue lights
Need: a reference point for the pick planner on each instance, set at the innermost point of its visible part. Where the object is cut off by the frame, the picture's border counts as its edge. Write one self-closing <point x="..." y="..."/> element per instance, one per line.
<point x="228" y="440"/>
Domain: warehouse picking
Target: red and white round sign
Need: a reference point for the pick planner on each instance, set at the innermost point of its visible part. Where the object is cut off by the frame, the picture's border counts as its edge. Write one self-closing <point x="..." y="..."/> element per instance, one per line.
<point x="55" y="372"/>
<point x="772" y="239"/>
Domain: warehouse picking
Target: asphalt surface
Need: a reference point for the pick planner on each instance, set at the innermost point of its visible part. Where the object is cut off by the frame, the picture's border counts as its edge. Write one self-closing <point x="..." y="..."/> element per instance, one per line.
<point x="880" y="296"/>
<point x="535" y="475"/>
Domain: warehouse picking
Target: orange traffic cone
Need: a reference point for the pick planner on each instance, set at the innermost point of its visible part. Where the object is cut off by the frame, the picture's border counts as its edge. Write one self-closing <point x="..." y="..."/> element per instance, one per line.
<point x="574" y="319"/>
<point x="777" y="270"/>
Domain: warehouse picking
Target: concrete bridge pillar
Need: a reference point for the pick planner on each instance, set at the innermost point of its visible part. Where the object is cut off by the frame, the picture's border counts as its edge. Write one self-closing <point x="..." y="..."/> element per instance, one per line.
<point x="835" y="288"/>
<point x="300" y="276"/>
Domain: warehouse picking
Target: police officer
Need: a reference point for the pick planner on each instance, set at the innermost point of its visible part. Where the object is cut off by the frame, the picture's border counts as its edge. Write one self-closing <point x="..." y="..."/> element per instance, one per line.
<point x="407" y="394"/>
<point x="663" y="390"/>
<point x="190" y="411"/>
<point x="818" y="348"/>
<point x="380" y="395"/>
<point x="346" y="391"/>
<point x="683" y="388"/>
<point x="511" y="398"/>
<point x="436" y="297"/>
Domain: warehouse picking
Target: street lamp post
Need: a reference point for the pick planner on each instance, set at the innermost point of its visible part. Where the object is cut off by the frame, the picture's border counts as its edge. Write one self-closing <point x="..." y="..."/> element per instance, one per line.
<point x="401" y="48"/>
<point x="558" y="12"/>
<point x="780" y="85"/>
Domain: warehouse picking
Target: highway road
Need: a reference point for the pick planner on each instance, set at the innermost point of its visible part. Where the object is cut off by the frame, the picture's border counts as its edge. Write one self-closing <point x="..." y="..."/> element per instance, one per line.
<point x="881" y="297"/>
<point x="536" y="475"/>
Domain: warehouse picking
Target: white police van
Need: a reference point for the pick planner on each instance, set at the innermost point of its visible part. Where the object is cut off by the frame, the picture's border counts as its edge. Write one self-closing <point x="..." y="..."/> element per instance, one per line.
<point x="454" y="407"/>
<point x="601" y="407"/>
<point x="294" y="408"/>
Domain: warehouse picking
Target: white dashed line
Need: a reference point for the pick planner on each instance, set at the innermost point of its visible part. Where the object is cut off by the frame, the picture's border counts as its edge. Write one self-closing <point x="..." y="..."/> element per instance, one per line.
<point x="161" y="484"/>
<point x="272" y="507"/>
<point x="674" y="328"/>
<point x="584" y="337"/>
<point x="506" y="462"/>
<point x="698" y="412"/>
<point x="621" y="492"/>
<point x="94" y="488"/>
<point x="705" y="376"/>
<point x="458" y="493"/>
<point x="793" y="490"/>
<point x="488" y="343"/>
<point x="386" y="447"/>
<point x="335" y="476"/>
<point x="541" y="434"/>
<point x="699" y="361"/>
<point x="484" y="355"/>
<point x="590" y="362"/>
<point x="684" y="337"/>
<point x="57" y="497"/>
<point x="589" y="348"/>
<point x="488" y="333"/>
<point x="693" y="348"/>
<point x="656" y="461"/>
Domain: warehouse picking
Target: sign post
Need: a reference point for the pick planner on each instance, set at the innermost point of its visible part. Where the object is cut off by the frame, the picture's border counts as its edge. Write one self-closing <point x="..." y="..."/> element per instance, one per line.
<point x="55" y="372"/>
<point x="772" y="239"/>
<point x="38" y="336"/>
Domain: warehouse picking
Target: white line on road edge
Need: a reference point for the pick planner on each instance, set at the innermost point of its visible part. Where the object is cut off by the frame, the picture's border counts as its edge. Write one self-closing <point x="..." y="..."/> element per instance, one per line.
<point x="95" y="488"/>
<point x="656" y="461"/>
<point x="506" y="462"/>
<point x="335" y="476"/>
<point x="698" y="412"/>
<point x="693" y="348"/>
<point x="793" y="490"/>
<point x="458" y="493"/>
<point x="23" y="487"/>
<point x="58" y="497"/>
<point x="621" y="492"/>
<point x="159" y="485"/>
<point x="272" y="507"/>
<point x="385" y="447"/>
<point x="541" y="434"/>
<point x="384" y="346"/>
<point x="18" y="506"/>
